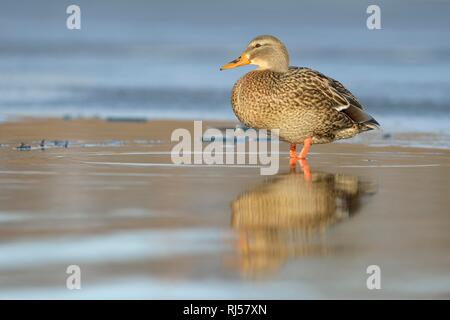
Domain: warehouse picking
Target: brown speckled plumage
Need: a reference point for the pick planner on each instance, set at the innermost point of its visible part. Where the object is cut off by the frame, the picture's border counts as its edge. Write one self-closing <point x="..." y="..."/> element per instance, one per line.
<point x="300" y="102"/>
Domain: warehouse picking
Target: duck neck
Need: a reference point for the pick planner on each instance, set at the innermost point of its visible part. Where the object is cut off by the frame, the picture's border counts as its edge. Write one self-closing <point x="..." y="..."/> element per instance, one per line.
<point x="278" y="62"/>
<point x="275" y="68"/>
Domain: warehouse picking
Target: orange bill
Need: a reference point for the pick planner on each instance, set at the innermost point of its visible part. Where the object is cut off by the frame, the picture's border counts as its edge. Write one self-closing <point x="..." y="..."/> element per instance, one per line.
<point x="241" y="61"/>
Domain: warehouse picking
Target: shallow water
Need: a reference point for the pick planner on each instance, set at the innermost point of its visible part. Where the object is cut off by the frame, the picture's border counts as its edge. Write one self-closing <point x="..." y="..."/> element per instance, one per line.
<point x="140" y="227"/>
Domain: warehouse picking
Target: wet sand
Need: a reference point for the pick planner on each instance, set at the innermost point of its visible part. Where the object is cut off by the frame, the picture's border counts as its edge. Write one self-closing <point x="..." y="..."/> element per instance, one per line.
<point x="113" y="203"/>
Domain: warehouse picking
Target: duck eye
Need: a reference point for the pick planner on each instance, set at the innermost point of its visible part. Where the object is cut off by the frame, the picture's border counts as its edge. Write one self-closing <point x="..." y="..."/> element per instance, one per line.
<point x="257" y="45"/>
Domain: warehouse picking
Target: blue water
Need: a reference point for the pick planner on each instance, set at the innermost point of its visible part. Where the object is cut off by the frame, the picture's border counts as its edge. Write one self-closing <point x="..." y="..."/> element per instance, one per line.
<point x="162" y="59"/>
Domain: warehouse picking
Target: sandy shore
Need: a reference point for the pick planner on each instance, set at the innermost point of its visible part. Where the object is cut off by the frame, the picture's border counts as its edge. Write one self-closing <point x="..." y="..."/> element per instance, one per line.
<point x="113" y="203"/>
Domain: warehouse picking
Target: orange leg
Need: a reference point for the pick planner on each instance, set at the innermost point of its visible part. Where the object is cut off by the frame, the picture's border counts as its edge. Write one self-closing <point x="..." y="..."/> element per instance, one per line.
<point x="292" y="156"/>
<point x="306" y="146"/>
<point x="306" y="170"/>
<point x="292" y="151"/>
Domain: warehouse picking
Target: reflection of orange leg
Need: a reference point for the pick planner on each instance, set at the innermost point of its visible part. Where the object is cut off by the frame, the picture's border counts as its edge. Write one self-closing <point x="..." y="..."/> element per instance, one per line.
<point x="292" y="165"/>
<point x="242" y="242"/>
<point x="242" y="247"/>
<point x="292" y="156"/>
<point x="306" y="170"/>
<point x="306" y="145"/>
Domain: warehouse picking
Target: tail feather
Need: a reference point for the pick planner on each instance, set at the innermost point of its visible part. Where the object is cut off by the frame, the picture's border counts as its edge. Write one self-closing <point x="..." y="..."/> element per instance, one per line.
<point x="372" y="124"/>
<point x="366" y="121"/>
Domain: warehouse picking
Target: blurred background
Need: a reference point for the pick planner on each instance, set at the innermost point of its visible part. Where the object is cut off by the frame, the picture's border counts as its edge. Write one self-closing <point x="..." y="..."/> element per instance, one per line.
<point x="161" y="59"/>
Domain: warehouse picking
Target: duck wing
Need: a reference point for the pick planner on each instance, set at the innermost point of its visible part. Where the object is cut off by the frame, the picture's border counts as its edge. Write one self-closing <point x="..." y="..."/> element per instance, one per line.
<point x="341" y="99"/>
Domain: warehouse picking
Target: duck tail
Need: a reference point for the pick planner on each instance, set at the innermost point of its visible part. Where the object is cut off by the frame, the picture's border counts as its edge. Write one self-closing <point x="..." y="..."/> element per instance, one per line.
<point x="364" y="120"/>
<point x="371" y="124"/>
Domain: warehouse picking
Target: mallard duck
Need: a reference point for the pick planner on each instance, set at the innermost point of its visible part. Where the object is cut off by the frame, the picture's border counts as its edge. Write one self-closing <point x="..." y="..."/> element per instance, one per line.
<point x="306" y="106"/>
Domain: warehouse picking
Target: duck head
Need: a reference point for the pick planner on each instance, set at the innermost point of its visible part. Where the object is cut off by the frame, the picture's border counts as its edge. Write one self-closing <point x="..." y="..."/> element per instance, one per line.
<point x="266" y="52"/>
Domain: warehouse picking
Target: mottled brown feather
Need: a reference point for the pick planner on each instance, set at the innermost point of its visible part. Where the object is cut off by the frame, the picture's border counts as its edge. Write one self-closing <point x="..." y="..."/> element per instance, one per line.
<point x="301" y="103"/>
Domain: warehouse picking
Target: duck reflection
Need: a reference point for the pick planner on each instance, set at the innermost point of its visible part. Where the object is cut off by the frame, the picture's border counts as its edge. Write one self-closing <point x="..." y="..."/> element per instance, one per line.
<point x="286" y="216"/>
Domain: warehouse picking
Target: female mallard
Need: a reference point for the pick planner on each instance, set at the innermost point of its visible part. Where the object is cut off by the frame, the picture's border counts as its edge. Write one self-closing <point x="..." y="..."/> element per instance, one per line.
<point x="303" y="104"/>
